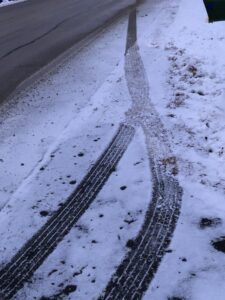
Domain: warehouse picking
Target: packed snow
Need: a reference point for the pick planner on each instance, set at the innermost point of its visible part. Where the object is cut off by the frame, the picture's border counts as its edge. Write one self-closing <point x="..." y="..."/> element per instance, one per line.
<point x="76" y="108"/>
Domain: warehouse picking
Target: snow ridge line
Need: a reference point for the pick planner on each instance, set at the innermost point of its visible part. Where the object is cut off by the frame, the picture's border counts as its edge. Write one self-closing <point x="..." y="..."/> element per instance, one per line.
<point x="136" y="271"/>
<point x="39" y="247"/>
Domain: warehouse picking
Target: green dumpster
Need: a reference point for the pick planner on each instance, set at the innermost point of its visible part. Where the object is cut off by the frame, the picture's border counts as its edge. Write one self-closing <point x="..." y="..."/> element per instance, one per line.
<point x="215" y="10"/>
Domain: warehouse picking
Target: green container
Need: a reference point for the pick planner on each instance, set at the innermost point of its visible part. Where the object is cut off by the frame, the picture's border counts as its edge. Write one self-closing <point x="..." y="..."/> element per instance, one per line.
<point x="215" y="10"/>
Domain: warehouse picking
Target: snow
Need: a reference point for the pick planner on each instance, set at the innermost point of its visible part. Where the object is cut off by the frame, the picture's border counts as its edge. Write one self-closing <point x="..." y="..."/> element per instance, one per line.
<point x="106" y="223"/>
<point x="9" y="2"/>
<point x="49" y="105"/>
<point x="77" y="107"/>
<point x="186" y="56"/>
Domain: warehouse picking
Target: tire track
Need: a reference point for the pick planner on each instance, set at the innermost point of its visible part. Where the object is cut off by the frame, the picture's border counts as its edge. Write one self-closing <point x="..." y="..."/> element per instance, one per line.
<point x="36" y="250"/>
<point x="136" y="271"/>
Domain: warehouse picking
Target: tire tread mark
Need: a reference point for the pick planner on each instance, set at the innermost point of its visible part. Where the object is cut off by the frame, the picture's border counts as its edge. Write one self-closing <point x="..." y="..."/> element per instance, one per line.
<point x="39" y="247"/>
<point x="138" y="268"/>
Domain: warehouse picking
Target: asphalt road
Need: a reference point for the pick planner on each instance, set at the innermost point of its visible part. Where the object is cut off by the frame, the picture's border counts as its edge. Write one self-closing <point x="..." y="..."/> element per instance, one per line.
<point x="34" y="32"/>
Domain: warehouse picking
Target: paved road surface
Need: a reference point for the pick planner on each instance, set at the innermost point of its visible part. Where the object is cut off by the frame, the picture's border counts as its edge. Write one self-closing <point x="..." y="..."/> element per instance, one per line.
<point x="34" y="32"/>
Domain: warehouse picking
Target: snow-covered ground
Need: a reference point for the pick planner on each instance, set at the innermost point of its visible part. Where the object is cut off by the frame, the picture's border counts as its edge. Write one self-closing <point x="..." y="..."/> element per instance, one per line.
<point x="54" y="130"/>
<point x="59" y="126"/>
<point x="184" y="58"/>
